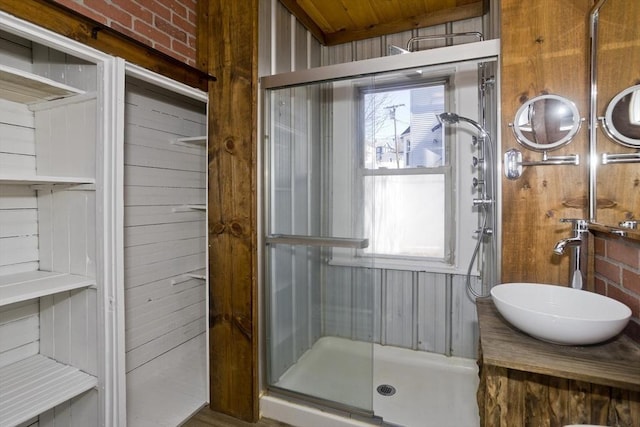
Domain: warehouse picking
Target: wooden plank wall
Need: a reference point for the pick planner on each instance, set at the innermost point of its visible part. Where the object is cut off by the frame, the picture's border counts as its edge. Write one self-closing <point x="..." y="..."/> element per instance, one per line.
<point x="545" y="49"/>
<point x="163" y="240"/>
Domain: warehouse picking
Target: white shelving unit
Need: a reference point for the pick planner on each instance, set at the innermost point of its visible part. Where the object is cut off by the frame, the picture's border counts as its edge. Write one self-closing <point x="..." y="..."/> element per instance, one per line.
<point x="52" y="229"/>
<point x="70" y="354"/>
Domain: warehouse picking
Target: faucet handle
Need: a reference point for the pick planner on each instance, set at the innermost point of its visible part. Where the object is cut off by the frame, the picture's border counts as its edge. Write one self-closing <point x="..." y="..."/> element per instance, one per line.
<point x="578" y="223"/>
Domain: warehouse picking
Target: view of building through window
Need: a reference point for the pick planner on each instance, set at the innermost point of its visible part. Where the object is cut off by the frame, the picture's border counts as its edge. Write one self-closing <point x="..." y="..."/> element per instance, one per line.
<point x="401" y="128"/>
<point x="404" y="174"/>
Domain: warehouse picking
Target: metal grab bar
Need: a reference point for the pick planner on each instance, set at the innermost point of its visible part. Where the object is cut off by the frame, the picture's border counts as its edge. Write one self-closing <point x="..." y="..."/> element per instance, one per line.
<point x="336" y="242"/>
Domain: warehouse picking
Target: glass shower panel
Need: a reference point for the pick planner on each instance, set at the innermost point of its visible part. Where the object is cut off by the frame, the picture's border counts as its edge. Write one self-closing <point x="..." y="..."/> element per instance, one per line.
<point x="318" y="346"/>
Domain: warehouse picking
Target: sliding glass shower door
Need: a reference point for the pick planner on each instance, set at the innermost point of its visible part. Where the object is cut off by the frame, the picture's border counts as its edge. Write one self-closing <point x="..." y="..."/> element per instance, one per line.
<point x="318" y="346"/>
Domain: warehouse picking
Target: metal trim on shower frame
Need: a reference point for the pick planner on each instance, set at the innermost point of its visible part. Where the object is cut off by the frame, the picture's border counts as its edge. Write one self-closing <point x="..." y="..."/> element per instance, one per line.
<point x="477" y="51"/>
<point x="332" y="242"/>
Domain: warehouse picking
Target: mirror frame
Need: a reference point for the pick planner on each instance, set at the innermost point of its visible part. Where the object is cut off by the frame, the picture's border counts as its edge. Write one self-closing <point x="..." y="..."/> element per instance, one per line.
<point x="526" y="142"/>
<point x="607" y="121"/>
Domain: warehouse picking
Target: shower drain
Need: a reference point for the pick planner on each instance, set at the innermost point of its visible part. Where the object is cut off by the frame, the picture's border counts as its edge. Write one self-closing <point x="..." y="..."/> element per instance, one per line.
<point x="386" y="390"/>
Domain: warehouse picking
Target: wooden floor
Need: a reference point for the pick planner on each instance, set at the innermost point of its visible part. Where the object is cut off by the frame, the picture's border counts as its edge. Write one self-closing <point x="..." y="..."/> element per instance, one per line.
<point x="206" y="417"/>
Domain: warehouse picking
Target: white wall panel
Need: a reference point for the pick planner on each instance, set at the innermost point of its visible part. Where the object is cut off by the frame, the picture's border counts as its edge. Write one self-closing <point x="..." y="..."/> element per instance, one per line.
<point x="465" y="333"/>
<point x="15" y="51"/>
<point x="164" y="239"/>
<point x="432" y="312"/>
<point x="398" y="326"/>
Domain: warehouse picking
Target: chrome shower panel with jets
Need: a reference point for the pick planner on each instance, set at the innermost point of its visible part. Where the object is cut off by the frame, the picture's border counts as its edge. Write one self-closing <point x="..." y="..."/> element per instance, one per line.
<point x="485" y="186"/>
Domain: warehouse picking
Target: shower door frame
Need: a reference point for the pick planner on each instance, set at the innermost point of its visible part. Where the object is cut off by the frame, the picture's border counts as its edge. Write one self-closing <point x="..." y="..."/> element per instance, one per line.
<point x="484" y="50"/>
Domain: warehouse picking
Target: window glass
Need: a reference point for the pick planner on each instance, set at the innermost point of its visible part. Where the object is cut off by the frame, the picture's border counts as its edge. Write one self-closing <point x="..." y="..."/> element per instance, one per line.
<point x="401" y="129"/>
<point x="405" y="175"/>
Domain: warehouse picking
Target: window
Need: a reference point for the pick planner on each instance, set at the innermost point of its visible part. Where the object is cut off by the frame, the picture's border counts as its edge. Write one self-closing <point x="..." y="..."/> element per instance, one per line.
<point x="406" y="173"/>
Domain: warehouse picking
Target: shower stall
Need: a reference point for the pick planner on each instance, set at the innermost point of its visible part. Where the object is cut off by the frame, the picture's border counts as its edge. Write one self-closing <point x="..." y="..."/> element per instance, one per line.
<point x="379" y="231"/>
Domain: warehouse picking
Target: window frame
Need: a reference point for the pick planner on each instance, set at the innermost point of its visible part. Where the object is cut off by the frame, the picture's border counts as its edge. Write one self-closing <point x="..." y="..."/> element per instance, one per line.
<point x="462" y="97"/>
<point x="404" y="261"/>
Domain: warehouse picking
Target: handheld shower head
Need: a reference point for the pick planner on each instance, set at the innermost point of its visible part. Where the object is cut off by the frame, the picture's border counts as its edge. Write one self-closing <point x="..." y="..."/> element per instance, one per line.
<point x="453" y="118"/>
<point x="448" y="118"/>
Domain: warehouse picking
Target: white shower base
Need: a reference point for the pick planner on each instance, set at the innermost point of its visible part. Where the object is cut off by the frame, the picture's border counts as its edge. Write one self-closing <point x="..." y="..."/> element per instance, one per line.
<point x="431" y="389"/>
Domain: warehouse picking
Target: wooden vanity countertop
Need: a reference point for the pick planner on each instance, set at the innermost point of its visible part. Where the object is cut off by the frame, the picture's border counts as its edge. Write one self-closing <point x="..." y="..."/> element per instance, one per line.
<point x="615" y="363"/>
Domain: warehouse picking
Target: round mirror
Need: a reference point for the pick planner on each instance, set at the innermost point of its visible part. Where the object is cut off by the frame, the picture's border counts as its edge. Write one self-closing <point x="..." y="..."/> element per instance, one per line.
<point x="622" y="118"/>
<point x="546" y="122"/>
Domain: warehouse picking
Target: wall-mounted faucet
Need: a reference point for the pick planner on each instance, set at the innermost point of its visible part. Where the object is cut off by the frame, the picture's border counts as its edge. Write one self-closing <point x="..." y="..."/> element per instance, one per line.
<point x="580" y="227"/>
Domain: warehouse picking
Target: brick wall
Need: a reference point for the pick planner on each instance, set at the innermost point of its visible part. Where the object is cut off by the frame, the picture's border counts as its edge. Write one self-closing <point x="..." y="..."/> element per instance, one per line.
<point x="166" y="25"/>
<point x="617" y="274"/>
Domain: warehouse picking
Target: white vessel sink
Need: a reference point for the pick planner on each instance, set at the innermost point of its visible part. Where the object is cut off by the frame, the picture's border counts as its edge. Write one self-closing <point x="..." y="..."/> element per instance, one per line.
<point x="559" y="314"/>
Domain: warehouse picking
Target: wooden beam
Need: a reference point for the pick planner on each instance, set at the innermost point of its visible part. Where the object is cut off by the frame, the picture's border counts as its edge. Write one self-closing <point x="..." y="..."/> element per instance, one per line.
<point x="304" y="18"/>
<point x="232" y="54"/>
<point x="69" y="23"/>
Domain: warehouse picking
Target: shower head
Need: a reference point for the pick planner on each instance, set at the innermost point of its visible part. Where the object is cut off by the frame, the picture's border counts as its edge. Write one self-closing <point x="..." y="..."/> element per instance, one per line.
<point x="395" y="50"/>
<point x="453" y="118"/>
<point x="448" y="118"/>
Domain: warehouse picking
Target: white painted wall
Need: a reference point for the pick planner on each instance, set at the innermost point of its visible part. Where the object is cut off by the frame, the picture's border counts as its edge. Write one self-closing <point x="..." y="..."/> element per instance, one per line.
<point x="164" y="240"/>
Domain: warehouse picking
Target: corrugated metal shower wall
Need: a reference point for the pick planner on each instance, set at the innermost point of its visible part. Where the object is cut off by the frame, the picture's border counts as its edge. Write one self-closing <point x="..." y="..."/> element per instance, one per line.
<point x="423" y="311"/>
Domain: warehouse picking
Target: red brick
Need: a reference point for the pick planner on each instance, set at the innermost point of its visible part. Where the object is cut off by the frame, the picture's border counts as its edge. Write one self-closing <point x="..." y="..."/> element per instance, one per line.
<point x="167" y="28"/>
<point x="135" y="10"/>
<point x="600" y="286"/>
<point x="156" y="7"/>
<point x="152" y="33"/>
<point x="631" y="281"/>
<point x="180" y="22"/>
<point x="633" y="302"/>
<point x="183" y="49"/>
<point x="608" y="270"/>
<point x="624" y="253"/>
<point x="112" y="12"/>
<point x="178" y="8"/>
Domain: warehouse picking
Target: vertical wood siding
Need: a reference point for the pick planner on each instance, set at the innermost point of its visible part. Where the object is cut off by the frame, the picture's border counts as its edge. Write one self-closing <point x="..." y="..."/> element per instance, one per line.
<point x="164" y="241"/>
<point x="422" y="311"/>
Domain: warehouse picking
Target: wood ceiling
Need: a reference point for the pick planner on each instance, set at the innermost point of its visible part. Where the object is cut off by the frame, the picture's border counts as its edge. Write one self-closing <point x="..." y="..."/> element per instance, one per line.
<point x="339" y="21"/>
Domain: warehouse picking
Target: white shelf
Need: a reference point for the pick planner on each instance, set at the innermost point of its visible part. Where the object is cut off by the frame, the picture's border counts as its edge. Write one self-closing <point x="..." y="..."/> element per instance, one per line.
<point x="34" y="284"/>
<point x="37" y="384"/>
<point x="41" y="179"/>
<point x="192" y="140"/>
<point x="26" y="88"/>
